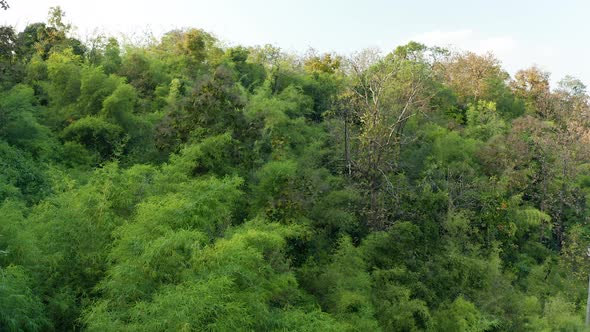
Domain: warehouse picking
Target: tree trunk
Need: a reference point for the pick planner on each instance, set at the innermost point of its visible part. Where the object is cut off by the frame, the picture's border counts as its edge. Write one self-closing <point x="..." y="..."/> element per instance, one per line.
<point x="374" y="187"/>
<point x="348" y="166"/>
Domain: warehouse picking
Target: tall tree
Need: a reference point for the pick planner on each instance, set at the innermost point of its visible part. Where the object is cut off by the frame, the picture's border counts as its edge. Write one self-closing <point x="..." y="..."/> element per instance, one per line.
<point x="387" y="93"/>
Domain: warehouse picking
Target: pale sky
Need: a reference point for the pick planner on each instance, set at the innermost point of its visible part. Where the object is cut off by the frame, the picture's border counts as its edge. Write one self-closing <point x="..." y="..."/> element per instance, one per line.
<point x="551" y="34"/>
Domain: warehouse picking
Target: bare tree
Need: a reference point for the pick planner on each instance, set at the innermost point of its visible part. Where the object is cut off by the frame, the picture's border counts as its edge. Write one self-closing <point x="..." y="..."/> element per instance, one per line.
<point x="386" y="93"/>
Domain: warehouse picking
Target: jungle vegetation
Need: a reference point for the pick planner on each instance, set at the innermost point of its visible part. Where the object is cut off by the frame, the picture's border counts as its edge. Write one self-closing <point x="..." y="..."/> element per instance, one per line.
<point x="183" y="185"/>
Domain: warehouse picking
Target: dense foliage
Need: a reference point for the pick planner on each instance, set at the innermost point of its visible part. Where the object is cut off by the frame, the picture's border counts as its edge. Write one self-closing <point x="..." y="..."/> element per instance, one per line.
<point x="180" y="184"/>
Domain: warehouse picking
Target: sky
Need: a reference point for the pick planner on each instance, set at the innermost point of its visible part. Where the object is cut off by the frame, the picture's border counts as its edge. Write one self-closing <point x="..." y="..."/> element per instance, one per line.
<point x="550" y="34"/>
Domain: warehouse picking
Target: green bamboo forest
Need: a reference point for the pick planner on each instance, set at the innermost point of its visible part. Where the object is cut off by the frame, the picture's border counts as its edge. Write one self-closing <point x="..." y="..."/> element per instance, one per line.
<point x="183" y="184"/>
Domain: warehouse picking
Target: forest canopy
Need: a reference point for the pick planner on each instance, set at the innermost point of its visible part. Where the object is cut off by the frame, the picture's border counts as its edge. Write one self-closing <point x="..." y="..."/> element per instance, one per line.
<point x="185" y="185"/>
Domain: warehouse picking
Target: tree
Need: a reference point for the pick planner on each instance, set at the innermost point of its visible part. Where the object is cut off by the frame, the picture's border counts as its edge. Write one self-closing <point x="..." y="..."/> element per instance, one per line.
<point x="56" y="21"/>
<point x="136" y="67"/>
<point x="20" y="176"/>
<point x="274" y="61"/>
<point x="532" y="85"/>
<point x="251" y="75"/>
<point x="345" y="287"/>
<point x="111" y="62"/>
<point x="213" y="107"/>
<point x="483" y="121"/>
<point x="20" y="308"/>
<point x="64" y="71"/>
<point x="471" y="76"/>
<point x="7" y="43"/>
<point x="104" y="139"/>
<point x="41" y="38"/>
<point x="387" y="92"/>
